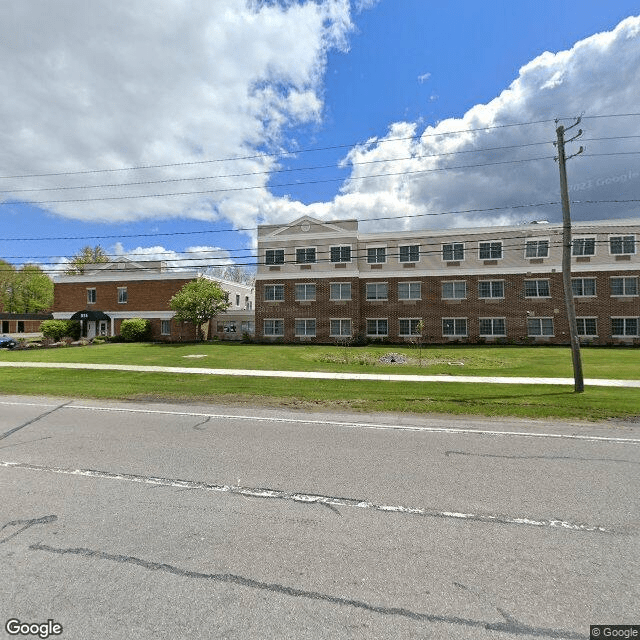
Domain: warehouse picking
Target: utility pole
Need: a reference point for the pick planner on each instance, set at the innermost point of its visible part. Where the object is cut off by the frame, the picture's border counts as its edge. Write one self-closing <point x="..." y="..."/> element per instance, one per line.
<point x="566" y="254"/>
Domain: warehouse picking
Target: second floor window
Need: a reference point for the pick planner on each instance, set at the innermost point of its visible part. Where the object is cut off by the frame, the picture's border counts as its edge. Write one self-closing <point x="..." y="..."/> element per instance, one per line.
<point x="377" y="291"/>
<point x="491" y="289"/>
<point x="340" y="291"/>
<point x="306" y="255"/>
<point x="624" y="286"/>
<point x="583" y="286"/>
<point x="274" y="292"/>
<point x="122" y="295"/>
<point x="306" y="291"/>
<point x="341" y="254"/>
<point x="490" y="250"/>
<point x="91" y="296"/>
<point x="455" y="290"/>
<point x="409" y="291"/>
<point x="536" y="288"/>
<point x="274" y="256"/>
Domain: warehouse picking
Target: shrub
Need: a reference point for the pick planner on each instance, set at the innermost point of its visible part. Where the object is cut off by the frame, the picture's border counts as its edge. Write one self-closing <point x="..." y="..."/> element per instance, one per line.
<point x="58" y="329"/>
<point x="135" y="330"/>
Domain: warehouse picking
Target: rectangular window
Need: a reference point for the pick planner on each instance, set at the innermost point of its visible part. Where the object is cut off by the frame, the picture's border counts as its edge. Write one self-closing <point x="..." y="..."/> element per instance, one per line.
<point x="274" y="256"/>
<point x="409" y="253"/>
<point x="454" y="326"/>
<point x="540" y="326"/>
<point x="624" y="286"/>
<point x="227" y="326"/>
<point x="490" y="250"/>
<point x="409" y="291"/>
<point x="237" y="299"/>
<point x="454" y="290"/>
<point x="409" y="326"/>
<point x="341" y="254"/>
<point x="584" y="247"/>
<point x="624" y="327"/>
<point x="536" y="288"/>
<point x="306" y="327"/>
<point x="377" y="327"/>
<point x="453" y="251"/>
<point x="491" y="289"/>
<point x="273" y="327"/>
<point x="274" y="292"/>
<point x="377" y="291"/>
<point x="587" y="326"/>
<point x="376" y="255"/>
<point x="622" y="245"/>
<point x="165" y="327"/>
<point x="248" y="326"/>
<point x="306" y="255"/>
<point x="583" y="286"/>
<point x="340" y="291"/>
<point x="306" y="291"/>
<point x="492" y="327"/>
<point x="340" y="327"/>
<point x="122" y="295"/>
<point x="536" y="249"/>
<point x="91" y="296"/>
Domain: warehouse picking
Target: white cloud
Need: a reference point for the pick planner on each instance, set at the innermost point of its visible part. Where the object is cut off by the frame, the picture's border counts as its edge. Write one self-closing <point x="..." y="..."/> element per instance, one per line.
<point x="198" y="257"/>
<point x="424" y="77"/>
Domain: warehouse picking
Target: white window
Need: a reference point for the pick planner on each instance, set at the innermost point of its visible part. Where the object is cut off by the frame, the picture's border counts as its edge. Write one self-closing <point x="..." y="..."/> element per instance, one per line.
<point x="536" y="289"/>
<point x="454" y="290"/>
<point x="377" y="291"/>
<point x="340" y="327"/>
<point x="409" y="253"/>
<point x="377" y="327"/>
<point x="490" y="250"/>
<point x="492" y="327"/>
<point x="624" y="286"/>
<point x="274" y="292"/>
<point x="341" y="254"/>
<point x="306" y="291"/>
<point x="376" y="255"/>
<point x="274" y="256"/>
<point x="453" y="251"/>
<point x="491" y="289"/>
<point x="306" y="255"/>
<point x="340" y="291"/>
<point x="409" y="291"/>
<point x="584" y="247"/>
<point x="583" y="286"/>
<point x="273" y="327"/>
<point x="536" y="249"/>
<point x="540" y="326"/>
<point x="237" y="299"/>
<point x="587" y="326"/>
<point x="91" y="296"/>
<point x="165" y="327"/>
<point x="624" y="327"/>
<point x="122" y="295"/>
<point x="622" y="245"/>
<point x="409" y="326"/>
<point x="306" y="327"/>
<point x="454" y="326"/>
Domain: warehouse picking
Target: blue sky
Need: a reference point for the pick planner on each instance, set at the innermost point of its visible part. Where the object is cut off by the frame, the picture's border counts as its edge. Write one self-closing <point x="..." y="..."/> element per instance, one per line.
<point x="141" y="83"/>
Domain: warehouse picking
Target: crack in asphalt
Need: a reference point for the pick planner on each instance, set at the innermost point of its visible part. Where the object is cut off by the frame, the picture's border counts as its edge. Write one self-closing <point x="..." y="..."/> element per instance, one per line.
<point x="6" y="434"/>
<point x="498" y="455"/>
<point x="27" y="524"/>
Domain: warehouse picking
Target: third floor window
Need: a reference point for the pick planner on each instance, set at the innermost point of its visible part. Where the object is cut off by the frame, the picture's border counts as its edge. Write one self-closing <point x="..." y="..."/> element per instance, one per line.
<point x="306" y="255"/>
<point x="490" y="250"/>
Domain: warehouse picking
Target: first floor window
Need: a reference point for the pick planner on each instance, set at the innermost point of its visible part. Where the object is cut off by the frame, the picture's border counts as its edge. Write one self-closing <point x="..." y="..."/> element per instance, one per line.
<point x="376" y="255"/>
<point x="453" y="251"/>
<point x="536" y="249"/>
<point x="490" y="250"/>
<point x="377" y="327"/>
<point x="410" y="326"/>
<point x="491" y="289"/>
<point x="273" y="327"/>
<point x="122" y="295"/>
<point x="91" y="296"/>
<point x="536" y="288"/>
<point x="306" y="291"/>
<point x="409" y="291"/>
<point x="624" y="326"/>
<point x="624" y="286"/>
<point x="306" y="255"/>
<point x="622" y="245"/>
<point x="409" y="253"/>
<point x="456" y="290"/>
<point x="340" y="327"/>
<point x="492" y="327"/>
<point x="274" y="292"/>
<point x="274" y="256"/>
<point x="227" y="326"/>
<point x="248" y="326"/>
<point x="341" y="254"/>
<point x="454" y="326"/>
<point x="165" y="327"/>
<point x="587" y="326"/>
<point x="583" y="247"/>
<point x="377" y="291"/>
<point x="583" y="286"/>
<point x="306" y="327"/>
<point x="540" y="326"/>
<point x="340" y="291"/>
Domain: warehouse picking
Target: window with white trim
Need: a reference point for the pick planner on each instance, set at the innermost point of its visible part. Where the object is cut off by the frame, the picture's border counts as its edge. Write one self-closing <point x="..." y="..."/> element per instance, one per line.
<point x="377" y="291"/>
<point x="165" y="327"/>
<point x="274" y="292"/>
<point x="587" y="326"/>
<point x="409" y="326"/>
<point x="273" y="327"/>
<point x="536" y="289"/>
<point x="274" y="256"/>
<point x="376" y="255"/>
<point x="306" y="291"/>
<point x="340" y="291"/>
<point x="409" y="253"/>
<point x="453" y="251"/>
<point x="339" y="327"/>
<point x="583" y="287"/>
<point x="409" y="291"/>
<point x="122" y="295"/>
<point x="492" y="327"/>
<point x="627" y="286"/>
<point x="622" y="245"/>
<point x="536" y="249"/>
<point x="491" y="289"/>
<point x="540" y="327"/>
<point x="306" y="327"/>
<point x="454" y="327"/>
<point x="583" y="247"/>
<point x="305" y="255"/>
<point x="454" y="290"/>
<point x="91" y="296"/>
<point x="341" y="254"/>
<point x="490" y="250"/>
<point x="377" y="327"/>
<point x="248" y="326"/>
<point x="622" y="327"/>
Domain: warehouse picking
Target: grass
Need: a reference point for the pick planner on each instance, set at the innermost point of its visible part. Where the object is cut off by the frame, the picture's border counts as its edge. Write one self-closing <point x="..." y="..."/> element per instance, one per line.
<point x="530" y="401"/>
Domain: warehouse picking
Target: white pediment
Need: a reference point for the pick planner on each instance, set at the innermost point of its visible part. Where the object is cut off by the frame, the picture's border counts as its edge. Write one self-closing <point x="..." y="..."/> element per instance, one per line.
<point x="306" y="225"/>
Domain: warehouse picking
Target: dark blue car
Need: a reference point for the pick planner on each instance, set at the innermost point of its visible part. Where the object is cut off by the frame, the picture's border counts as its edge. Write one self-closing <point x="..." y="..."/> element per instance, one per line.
<point x="7" y="342"/>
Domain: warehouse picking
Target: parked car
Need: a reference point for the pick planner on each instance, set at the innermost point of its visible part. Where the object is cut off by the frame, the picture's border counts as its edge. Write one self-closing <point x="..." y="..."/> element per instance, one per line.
<point x="7" y="342"/>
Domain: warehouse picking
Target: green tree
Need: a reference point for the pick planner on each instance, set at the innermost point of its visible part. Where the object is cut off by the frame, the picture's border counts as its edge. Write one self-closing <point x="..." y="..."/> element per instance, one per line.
<point x="198" y="302"/>
<point x="88" y="255"/>
<point x="25" y="290"/>
<point x="7" y="281"/>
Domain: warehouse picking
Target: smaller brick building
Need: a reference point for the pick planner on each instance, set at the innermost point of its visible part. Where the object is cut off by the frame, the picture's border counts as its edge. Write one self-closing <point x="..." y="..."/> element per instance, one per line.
<point x="108" y="293"/>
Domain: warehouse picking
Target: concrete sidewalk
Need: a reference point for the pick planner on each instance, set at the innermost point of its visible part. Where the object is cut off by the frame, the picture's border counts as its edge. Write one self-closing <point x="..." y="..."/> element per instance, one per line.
<point x="321" y="375"/>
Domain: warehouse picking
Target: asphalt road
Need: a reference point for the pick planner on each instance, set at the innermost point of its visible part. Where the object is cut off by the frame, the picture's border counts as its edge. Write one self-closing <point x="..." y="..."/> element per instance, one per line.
<point x="147" y="521"/>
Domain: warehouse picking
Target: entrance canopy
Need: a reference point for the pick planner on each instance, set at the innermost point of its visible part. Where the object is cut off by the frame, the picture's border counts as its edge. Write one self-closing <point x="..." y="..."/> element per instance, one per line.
<point x="90" y="315"/>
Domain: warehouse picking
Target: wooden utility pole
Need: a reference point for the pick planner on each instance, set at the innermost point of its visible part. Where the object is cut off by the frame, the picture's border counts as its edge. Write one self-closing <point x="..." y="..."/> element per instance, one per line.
<point x="566" y="257"/>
